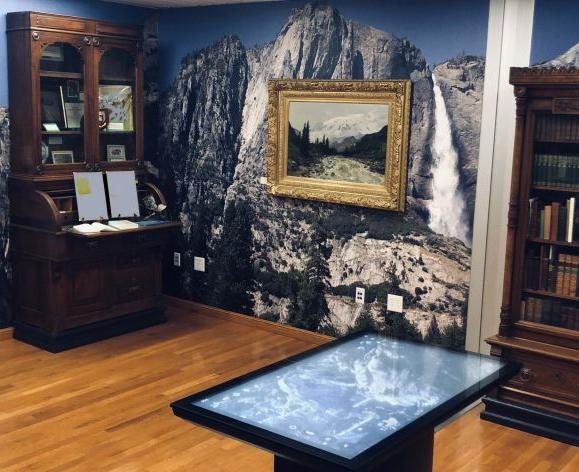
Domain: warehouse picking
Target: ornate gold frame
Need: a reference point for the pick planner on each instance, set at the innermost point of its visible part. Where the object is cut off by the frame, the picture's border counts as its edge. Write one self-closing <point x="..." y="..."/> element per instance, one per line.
<point x="396" y="93"/>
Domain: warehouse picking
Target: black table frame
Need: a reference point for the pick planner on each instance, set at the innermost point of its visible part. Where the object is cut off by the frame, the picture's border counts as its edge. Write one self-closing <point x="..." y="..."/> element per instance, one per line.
<point x="291" y="455"/>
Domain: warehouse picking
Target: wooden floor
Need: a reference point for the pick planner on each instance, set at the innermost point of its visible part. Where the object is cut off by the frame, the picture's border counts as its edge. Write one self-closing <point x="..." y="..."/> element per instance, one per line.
<point x="105" y="407"/>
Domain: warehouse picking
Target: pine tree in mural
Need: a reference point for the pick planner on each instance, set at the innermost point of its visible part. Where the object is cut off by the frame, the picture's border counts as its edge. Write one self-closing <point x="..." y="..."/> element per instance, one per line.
<point x="433" y="334"/>
<point x="232" y="272"/>
<point x="397" y="326"/>
<point x="365" y="322"/>
<point x="308" y="306"/>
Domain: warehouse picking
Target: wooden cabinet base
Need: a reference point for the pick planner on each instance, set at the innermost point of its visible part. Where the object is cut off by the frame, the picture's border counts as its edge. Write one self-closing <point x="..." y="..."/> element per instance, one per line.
<point x="87" y="334"/>
<point x="531" y="420"/>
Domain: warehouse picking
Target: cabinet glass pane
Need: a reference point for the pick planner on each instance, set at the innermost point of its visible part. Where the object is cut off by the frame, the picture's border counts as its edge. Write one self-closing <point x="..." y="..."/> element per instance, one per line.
<point x="116" y="106"/>
<point x="551" y="265"/>
<point x="62" y="104"/>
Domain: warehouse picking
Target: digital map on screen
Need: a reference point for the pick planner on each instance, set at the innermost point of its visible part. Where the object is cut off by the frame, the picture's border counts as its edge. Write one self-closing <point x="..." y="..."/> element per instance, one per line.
<point x="347" y="398"/>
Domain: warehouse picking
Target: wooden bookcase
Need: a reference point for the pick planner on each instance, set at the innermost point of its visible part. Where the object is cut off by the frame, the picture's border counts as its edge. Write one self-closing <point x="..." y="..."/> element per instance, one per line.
<point x="539" y="321"/>
<point x="76" y="104"/>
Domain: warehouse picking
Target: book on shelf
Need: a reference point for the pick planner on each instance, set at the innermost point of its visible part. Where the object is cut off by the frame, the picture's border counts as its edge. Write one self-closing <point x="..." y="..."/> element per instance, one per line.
<point x="555" y="170"/>
<point x="552" y="272"/>
<point x="554" y="221"/>
<point x="557" y="128"/>
<point x="551" y="312"/>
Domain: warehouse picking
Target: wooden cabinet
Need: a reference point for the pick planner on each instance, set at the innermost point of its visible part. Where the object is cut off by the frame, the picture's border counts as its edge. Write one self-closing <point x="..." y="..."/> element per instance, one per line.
<point x="76" y="103"/>
<point x="539" y="322"/>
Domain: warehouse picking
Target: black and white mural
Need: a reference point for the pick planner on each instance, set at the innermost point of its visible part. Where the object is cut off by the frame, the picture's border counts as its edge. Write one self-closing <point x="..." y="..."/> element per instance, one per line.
<point x="299" y="262"/>
<point x="4" y="215"/>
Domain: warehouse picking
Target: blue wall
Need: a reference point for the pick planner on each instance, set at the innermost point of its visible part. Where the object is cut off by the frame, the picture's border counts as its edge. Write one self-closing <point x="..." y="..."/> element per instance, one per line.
<point x="554" y="29"/>
<point x="87" y="8"/>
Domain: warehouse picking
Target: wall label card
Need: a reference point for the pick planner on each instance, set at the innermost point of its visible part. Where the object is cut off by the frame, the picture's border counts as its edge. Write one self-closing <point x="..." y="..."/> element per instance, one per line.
<point x="90" y="196"/>
<point x="123" y="194"/>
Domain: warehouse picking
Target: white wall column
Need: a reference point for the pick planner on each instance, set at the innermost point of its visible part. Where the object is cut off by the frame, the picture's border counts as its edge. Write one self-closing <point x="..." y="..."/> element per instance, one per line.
<point x="508" y="44"/>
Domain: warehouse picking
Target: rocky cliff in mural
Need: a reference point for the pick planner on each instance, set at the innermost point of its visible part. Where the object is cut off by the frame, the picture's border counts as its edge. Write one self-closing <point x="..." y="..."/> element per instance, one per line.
<point x="4" y="214"/>
<point x="297" y="261"/>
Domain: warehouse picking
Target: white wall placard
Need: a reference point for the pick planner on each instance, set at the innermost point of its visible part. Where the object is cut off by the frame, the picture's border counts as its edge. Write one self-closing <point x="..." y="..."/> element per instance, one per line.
<point x="90" y="196"/>
<point x="123" y="194"/>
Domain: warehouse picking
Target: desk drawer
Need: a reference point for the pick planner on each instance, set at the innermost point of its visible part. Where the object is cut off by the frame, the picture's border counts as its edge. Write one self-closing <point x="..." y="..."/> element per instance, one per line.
<point x="135" y="285"/>
<point x="91" y="247"/>
<point x="546" y="376"/>
<point x="145" y="238"/>
<point x="126" y="262"/>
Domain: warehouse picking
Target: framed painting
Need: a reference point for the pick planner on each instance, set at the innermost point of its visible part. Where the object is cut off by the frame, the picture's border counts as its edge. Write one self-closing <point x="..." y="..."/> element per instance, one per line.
<point x="339" y="141"/>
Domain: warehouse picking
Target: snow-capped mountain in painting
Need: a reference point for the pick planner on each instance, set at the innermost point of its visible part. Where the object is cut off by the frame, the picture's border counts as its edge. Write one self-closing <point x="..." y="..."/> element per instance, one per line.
<point x="354" y="125"/>
<point x="296" y="261"/>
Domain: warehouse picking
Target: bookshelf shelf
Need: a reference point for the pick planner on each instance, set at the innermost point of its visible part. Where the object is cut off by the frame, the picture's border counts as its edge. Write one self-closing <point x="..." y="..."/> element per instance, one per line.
<point x="60" y="75"/>
<point x="550" y="242"/>
<point x="63" y="133"/>
<point x="556" y="141"/>
<point x="548" y="188"/>
<point x="544" y="293"/>
<point x="117" y="132"/>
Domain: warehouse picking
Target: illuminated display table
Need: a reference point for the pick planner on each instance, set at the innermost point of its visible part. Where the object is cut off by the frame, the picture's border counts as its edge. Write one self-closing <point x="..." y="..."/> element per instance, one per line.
<point x="364" y="402"/>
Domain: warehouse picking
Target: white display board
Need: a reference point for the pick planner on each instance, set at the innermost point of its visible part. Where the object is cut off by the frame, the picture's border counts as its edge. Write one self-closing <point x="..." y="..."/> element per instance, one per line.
<point x="123" y="194"/>
<point x="90" y="196"/>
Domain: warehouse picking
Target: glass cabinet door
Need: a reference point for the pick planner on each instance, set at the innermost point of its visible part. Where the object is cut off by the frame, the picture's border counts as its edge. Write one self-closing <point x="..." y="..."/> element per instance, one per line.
<point x="116" y="103"/>
<point x="62" y="104"/>
<point x="550" y="290"/>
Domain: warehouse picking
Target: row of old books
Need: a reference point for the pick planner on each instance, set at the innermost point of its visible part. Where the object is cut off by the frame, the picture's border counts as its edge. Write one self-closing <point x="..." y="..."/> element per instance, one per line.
<point x="555" y="170"/>
<point x="557" y="128"/>
<point x="551" y="312"/>
<point x="556" y="273"/>
<point x="555" y="221"/>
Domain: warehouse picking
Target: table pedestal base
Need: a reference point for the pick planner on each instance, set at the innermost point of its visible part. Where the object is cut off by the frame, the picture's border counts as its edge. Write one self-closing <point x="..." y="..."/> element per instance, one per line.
<point x="413" y="456"/>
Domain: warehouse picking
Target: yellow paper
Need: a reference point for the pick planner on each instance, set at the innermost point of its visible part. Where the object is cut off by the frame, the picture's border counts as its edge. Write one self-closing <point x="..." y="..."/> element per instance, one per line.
<point x="83" y="186"/>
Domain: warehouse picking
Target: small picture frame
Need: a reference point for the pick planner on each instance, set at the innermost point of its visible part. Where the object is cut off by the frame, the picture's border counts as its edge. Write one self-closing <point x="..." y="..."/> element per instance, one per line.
<point x="73" y="89"/>
<point x="103" y="119"/>
<point x="62" y="157"/>
<point x="116" y="153"/>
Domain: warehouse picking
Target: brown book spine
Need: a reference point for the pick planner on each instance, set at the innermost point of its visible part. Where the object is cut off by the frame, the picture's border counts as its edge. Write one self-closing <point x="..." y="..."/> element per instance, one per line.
<point x="573" y="278"/>
<point x="554" y="220"/>
<point x="547" y="223"/>
<point x="566" y="275"/>
<point x="560" y="274"/>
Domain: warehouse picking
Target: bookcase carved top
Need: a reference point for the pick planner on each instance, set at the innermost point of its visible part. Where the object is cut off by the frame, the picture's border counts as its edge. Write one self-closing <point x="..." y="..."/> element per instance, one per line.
<point x="537" y="75"/>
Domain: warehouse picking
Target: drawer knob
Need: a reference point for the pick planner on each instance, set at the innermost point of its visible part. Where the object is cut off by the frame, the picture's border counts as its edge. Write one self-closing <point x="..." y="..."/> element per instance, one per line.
<point x="526" y="374"/>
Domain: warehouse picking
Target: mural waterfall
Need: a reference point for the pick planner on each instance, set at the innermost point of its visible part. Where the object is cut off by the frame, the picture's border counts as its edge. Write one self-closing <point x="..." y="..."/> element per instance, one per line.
<point x="299" y="262"/>
<point x="445" y="178"/>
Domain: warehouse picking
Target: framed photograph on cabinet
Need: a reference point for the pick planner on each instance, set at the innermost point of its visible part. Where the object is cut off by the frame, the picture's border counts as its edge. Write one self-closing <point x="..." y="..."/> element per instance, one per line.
<point x="116" y="153"/>
<point x="62" y="157"/>
<point x="72" y="89"/>
<point x="340" y="141"/>
<point x="52" y="107"/>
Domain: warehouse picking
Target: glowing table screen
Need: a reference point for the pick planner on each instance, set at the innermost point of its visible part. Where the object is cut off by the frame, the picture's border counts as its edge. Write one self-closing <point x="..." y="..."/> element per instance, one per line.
<point x="345" y="399"/>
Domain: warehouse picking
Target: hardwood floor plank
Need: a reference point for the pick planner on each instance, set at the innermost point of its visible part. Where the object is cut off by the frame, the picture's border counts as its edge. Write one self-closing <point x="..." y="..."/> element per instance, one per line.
<point x="105" y="407"/>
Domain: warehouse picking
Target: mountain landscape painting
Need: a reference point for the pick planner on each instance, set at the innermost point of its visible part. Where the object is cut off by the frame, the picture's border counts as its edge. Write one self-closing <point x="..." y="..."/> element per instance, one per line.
<point x="298" y="262"/>
<point x="338" y="141"/>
